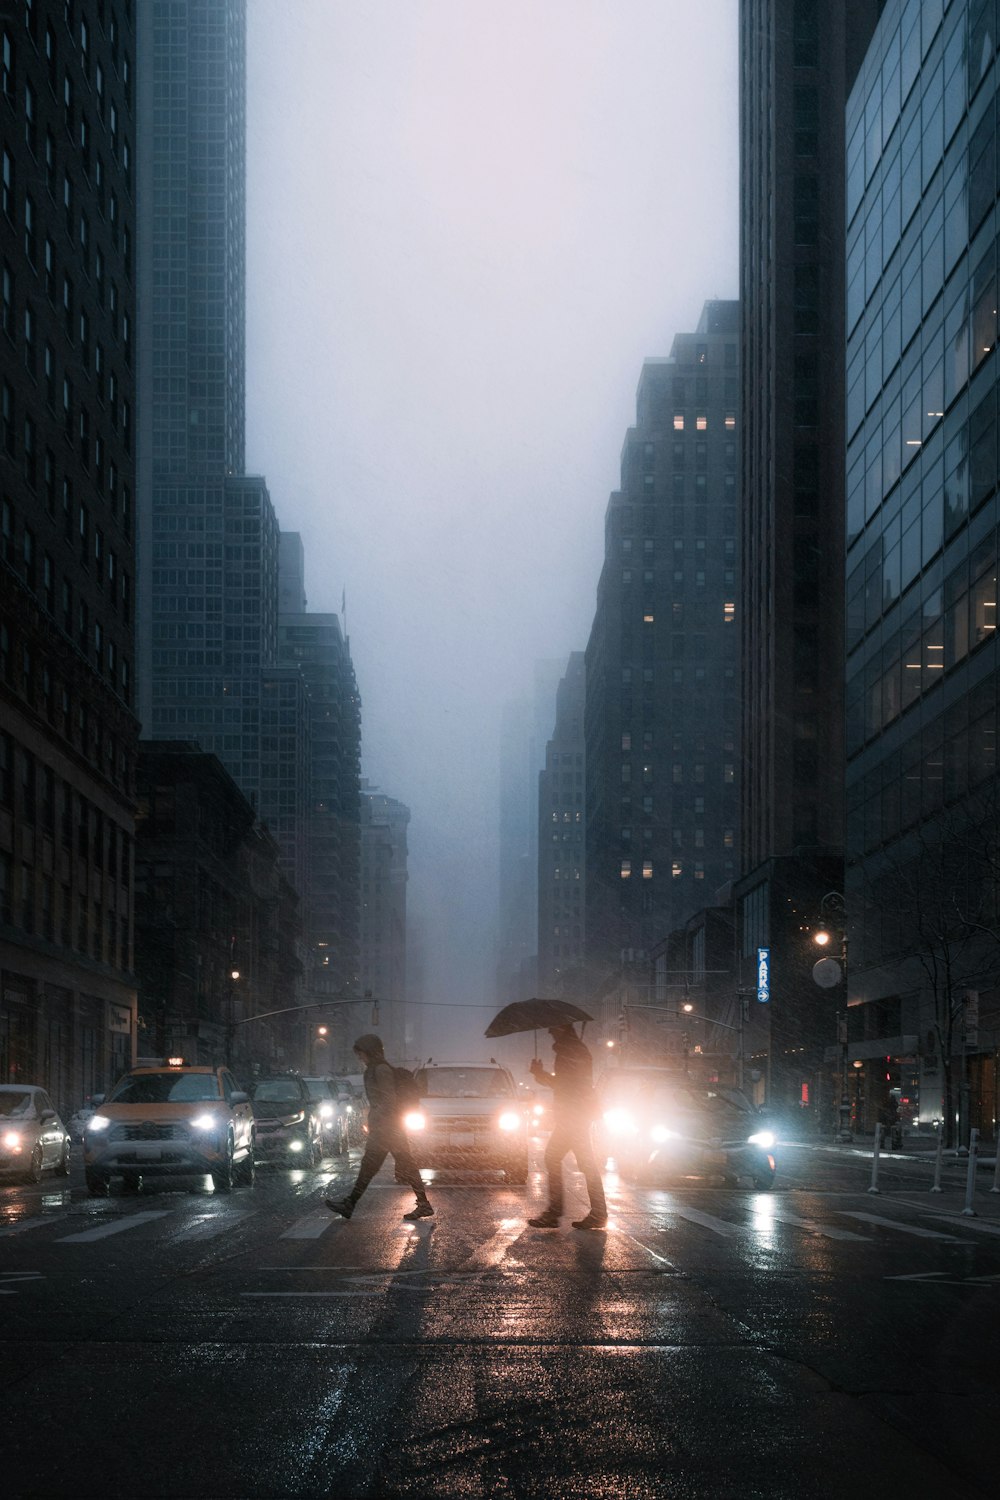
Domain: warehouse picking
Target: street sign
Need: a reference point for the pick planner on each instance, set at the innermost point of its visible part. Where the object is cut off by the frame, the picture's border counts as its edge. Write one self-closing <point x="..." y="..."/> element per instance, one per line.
<point x="827" y="973"/>
<point x="763" y="975"/>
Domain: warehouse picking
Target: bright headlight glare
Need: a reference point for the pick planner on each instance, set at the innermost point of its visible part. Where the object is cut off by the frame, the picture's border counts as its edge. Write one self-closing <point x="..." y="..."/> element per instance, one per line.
<point x="12" y="1139"/>
<point x="204" y="1122"/>
<point x="326" y="1110"/>
<point x="664" y="1133"/>
<point x="98" y="1122"/>
<point x="538" y="1109"/>
<point x="619" y="1121"/>
<point x="414" y="1120"/>
<point x="764" y="1139"/>
<point x="509" y="1121"/>
<point x="350" y="1109"/>
<point x="295" y="1145"/>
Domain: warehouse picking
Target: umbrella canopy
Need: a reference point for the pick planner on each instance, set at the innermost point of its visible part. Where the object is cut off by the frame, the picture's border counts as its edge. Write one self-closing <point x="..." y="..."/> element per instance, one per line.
<point x="534" y="1015"/>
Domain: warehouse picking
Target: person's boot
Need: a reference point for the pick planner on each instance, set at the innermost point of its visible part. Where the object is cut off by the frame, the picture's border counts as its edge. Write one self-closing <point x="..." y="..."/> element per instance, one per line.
<point x="547" y="1220"/>
<point x="422" y="1210"/>
<point x="591" y="1221"/>
<point x="342" y="1206"/>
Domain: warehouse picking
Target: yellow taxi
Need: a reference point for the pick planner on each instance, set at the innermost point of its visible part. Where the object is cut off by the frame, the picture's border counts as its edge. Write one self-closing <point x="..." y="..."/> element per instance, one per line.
<point x="170" y="1118"/>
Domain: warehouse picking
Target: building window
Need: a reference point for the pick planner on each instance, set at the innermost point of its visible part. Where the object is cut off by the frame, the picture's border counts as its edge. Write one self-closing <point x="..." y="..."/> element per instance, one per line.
<point x="626" y="869"/>
<point x="647" y="869"/>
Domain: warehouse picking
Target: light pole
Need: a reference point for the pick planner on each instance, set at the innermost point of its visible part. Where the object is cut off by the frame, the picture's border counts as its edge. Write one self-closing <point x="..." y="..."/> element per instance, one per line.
<point x="234" y="975"/>
<point x="828" y="972"/>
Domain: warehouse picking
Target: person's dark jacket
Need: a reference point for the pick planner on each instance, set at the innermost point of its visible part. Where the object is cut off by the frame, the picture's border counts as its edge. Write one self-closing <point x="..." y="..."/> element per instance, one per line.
<point x="572" y="1077"/>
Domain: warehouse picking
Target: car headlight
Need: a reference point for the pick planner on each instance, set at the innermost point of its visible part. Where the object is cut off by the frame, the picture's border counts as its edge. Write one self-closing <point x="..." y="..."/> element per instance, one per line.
<point x="326" y="1110"/>
<point x="509" y="1120"/>
<point x="664" y="1133"/>
<point x="350" y="1109"/>
<point x="620" y="1121"/>
<point x="295" y="1145"/>
<point x="98" y="1122"/>
<point x="414" y="1120"/>
<point x="12" y="1140"/>
<point x="538" y="1109"/>
<point x="204" y="1122"/>
<point x="764" y="1139"/>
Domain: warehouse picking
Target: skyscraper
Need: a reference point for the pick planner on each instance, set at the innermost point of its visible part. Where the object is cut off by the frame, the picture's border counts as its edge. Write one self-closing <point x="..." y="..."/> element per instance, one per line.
<point x="69" y="735"/>
<point x="661" y="662"/>
<point x="797" y="60"/>
<point x="208" y="533"/>
<point x="383" y="915"/>
<point x="561" y="869"/>
<point x="923" y="558"/>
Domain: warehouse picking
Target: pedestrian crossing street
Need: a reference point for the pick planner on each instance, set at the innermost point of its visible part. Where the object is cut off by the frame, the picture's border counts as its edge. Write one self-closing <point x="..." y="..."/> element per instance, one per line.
<point x="744" y="1220"/>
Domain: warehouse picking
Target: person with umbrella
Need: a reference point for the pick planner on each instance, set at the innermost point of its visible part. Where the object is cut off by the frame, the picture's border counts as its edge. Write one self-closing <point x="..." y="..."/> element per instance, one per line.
<point x="574" y="1108"/>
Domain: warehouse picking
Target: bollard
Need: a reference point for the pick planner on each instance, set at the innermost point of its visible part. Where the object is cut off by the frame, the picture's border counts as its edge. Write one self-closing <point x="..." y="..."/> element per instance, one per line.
<point x="936" y="1186"/>
<point x="878" y="1142"/>
<point x="970" y="1180"/>
<point x="996" y="1165"/>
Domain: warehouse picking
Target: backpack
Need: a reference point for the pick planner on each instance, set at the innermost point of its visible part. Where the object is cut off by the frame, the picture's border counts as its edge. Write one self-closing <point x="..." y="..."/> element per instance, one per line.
<point x="407" y="1093"/>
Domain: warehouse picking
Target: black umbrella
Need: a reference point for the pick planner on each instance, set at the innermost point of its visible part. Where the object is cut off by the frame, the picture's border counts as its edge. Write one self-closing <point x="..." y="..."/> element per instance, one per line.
<point x="534" y="1015"/>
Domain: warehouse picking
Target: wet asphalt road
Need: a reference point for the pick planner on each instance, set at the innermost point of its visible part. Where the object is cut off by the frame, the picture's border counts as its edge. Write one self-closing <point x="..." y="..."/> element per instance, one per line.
<point x="713" y="1343"/>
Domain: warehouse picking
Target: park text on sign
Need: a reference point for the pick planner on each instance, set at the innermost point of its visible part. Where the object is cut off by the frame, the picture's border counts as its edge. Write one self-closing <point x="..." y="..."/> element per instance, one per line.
<point x="763" y="975"/>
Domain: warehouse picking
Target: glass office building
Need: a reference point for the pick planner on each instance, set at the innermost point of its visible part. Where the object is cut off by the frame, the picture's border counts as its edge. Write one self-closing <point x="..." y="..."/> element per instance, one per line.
<point x="922" y="226"/>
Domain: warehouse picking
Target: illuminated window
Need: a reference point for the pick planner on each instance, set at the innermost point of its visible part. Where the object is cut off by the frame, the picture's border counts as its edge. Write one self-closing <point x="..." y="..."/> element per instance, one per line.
<point x="626" y="869"/>
<point x="699" y="870"/>
<point x="727" y="838"/>
<point x="728" y="612"/>
<point x="647" y="869"/>
<point x="701" y="423"/>
<point x="676" y="869"/>
<point x="678" y="421"/>
<point x="626" y="742"/>
<point x="647" y="619"/>
<point x="730" y="420"/>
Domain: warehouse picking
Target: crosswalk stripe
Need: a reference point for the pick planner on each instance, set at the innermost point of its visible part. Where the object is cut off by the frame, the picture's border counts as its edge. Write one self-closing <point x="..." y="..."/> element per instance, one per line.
<point x="975" y="1224"/>
<point x="33" y="1223"/>
<point x="309" y="1228"/>
<point x="207" y="1228"/>
<point x="829" y="1231"/>
<point x="924" y="1234"/>
<point x="117" y="1226"/>
<point x="708" y="1221"/>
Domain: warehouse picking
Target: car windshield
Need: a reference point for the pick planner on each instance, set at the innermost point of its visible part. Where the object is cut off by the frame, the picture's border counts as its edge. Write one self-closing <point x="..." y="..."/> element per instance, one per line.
<point x="463" y="1083"/>
<point x="625" y="1084"/>
<point x="164" y="1088"/>
<point x="713" y="1110"/>
<point x="276" y="1091"/>
<point x="16" y="1102"/>
<point x="318" y="1089"/>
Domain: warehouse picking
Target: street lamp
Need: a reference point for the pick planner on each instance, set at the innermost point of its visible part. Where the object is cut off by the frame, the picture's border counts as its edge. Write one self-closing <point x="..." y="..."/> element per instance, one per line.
<point x="829" y="972"/>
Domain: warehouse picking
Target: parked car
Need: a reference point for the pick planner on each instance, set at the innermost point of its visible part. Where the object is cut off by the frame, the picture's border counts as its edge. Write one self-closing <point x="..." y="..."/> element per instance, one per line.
<point x="671" y="1128"/>
<point x="333" y="1113"/>
<point x="471" y="1117"/>
<point x="170" y="1119"/>
<point x="33" y="1139"/>
<point x="289" y="1127"/>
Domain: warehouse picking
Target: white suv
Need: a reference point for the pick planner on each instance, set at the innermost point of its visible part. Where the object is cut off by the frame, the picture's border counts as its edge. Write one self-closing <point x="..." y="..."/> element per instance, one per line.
<point x="470" y="1117"/>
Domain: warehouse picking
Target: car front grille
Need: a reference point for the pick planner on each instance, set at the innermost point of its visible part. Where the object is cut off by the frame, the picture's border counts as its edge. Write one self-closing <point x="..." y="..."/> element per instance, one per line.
<point x="148" y="1132"/>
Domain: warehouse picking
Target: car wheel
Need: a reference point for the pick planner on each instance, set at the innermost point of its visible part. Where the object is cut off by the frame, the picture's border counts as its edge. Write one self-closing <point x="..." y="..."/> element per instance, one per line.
<point x="222" y="1178"/>
<point x="131" y="1182"/>
<point x="247" y="1169"/>
<point x="763" y="1181"/>
<point x="62" y="1166"/>
<point x="98" y="1185"/>
<point x="34" y="1172"/>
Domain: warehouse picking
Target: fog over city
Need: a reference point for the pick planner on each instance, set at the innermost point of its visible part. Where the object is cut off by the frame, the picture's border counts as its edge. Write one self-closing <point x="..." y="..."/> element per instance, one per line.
<point x="468" y="224"/>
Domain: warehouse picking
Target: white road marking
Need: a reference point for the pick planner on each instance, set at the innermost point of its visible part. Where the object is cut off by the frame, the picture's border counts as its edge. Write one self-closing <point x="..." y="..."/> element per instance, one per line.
<point x="23" y="1224"/>
<point x="311" y="1227"/>
<point x="708" y="1221"/>
<point x="117" y="1226"/>
<point x="924" y="1234"/>
<point x="17" y="1277"/>
<point x="829" y="1231"/>
<point x="205" y="1229"/>
<point x="976" y="1225"/>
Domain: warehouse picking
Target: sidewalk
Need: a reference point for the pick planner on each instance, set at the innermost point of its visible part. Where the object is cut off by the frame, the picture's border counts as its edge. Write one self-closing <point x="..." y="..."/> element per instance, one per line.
<point x="914" y="1148"/>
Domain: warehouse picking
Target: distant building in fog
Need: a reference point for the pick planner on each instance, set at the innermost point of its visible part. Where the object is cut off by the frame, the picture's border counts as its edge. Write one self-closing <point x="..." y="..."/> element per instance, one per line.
<point x="383" y="912"/>
<point x="561" y="870"/>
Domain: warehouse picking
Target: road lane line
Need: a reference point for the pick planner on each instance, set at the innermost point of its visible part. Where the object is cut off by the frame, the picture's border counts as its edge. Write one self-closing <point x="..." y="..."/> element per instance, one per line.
<point x="829" y="1231"/>
<point x="975" y="1224"/>
<point x="309" y="1228"/>
<point x="118" y="1226"/>
<point x="924" y="1234"/>
<point x="205" y="1229"/>
<point x="708" y="1221"/>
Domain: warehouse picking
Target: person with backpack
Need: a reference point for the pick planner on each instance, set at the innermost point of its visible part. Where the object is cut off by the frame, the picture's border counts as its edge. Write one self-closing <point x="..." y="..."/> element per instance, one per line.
<point x="391" y="1091"/>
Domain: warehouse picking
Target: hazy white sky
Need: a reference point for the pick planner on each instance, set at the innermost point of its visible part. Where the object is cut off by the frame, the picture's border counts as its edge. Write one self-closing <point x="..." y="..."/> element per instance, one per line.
<point x="468" y="223"/>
